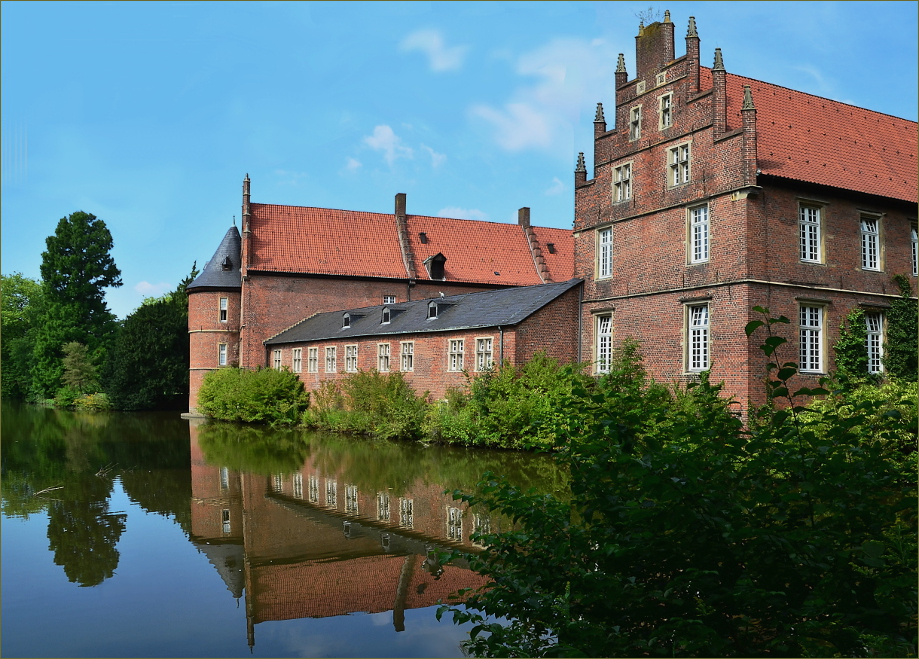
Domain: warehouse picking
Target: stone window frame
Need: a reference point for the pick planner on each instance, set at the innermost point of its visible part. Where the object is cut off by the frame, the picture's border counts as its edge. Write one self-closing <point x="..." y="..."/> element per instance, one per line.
<point x="331" y="359"/>
<point x="351" y="354"/>
<point x="679" y="169"/>
<point x="455" y="355"/>
<point x="811" y="337"/>
<point x="603" y="349"/>
<point x="383" y="354"/>
<point x="406" y="357"/>
<point x="480" y="353"/>
<point x="296" y="360"/>
<point x="691" y="234"/>
<point x="622" y="185"/>
<point x="875" y="340"/>
<point x="312" y="360"/>
<point x="276" y="360"/>
<point x="665" y="112"/>
<point x="871" y="245"/>
<point x="635" y="123"/>
<point x="604" y="248"/>
<point x="697" y="335"/>
<point x="223" y="308"/>
<point x="914" y="248"/>
<point x="222" y="354"/>
<point x="808" y="229"/>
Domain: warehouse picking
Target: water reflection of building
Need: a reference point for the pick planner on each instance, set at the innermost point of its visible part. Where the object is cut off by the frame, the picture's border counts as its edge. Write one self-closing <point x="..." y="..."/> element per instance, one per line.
<point x="314" y="544"/>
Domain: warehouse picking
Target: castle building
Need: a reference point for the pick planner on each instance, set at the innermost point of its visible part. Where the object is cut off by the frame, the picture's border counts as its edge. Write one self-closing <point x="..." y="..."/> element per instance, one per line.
<point x="713" y="193"/>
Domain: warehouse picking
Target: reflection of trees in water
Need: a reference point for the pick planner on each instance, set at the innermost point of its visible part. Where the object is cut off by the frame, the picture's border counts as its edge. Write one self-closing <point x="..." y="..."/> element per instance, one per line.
<point x="83" y="533"/>
<point x="252" y="449"/>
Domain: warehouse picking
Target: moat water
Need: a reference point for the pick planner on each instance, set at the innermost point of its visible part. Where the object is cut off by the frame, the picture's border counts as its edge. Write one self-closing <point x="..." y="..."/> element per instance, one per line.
<point x="146" y="535"/>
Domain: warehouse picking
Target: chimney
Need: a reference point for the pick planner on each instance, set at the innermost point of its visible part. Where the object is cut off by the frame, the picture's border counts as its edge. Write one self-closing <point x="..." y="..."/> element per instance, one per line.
<point x="653" y="48"/>
<point x="622" y="76"/>
<point x="692" y="55"/>
<point x="400" y="204"/>
<point x="719" y="96"/>
<point x="523" y="217"/>
<point x="408" y="257"/>
<point x="748" y="146"/>
<point x="580" y="171"/>
<point x="246" y="214"/>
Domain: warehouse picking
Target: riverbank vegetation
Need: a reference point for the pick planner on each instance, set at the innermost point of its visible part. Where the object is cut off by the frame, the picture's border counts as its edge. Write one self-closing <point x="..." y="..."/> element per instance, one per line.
<point x="689" y="534"/>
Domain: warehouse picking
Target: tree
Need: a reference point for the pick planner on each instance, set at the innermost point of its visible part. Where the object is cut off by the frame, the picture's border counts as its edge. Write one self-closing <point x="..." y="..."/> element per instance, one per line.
<point x="148" y="365"/>
<point x="900" y="358"/>
<point x="21" y="305"/>
<point x="76" y="268"/>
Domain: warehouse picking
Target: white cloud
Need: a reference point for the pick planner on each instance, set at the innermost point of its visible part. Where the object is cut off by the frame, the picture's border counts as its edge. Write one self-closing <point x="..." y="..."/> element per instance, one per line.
<point x="517" y="126"/>
<point x="147" y="289"/>
<point x="437" y="159"/>
<point x="557" y="187"/>
<point x="431" y="43"/>
<point x="353" y="164"/>
<point x="385" y="140"/>
<point x="462" y="213"/>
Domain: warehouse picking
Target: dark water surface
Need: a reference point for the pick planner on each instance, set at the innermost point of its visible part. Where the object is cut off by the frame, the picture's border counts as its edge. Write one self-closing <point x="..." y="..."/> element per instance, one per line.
<point x="146" y="535"/>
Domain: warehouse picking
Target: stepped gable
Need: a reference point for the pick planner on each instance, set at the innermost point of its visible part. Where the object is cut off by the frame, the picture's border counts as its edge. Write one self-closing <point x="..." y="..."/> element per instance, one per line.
<point x="220" y="272"/>
<point x="503" y="307"/>
<point x="482" y="252"/>
<point x="302" y="239"/>
<point x="560" y="257"/>
<point x="808" y="138"/>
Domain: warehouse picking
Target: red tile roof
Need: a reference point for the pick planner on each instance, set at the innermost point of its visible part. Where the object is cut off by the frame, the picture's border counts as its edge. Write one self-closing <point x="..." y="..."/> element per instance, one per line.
<point x="814" y="139"/>
<point x="328" y="241"/>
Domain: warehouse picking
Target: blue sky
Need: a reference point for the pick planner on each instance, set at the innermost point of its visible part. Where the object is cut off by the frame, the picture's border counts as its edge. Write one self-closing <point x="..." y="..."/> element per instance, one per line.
<point x="149" y="115"/>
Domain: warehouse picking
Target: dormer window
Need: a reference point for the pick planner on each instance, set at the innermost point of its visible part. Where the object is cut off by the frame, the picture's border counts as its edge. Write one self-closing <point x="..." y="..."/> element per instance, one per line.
<point x="423" y="237"/>
<point x="435" y="266"/>
<point x="385" y="320"/>
<point x="227" y="264"/>
<point x="551" y="247"/>
<point x="432" y="310"/>
<point x="346" y="321"/>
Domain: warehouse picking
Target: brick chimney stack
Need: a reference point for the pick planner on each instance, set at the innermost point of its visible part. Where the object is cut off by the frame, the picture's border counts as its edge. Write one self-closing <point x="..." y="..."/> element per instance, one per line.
<point x="408" y="257"/>
<point x="748" y="146"/>
<point x="653" y="48"/>
<point x="580" y="171"/>
<point x="719" y="96"/>
<point x="692" y="55"/>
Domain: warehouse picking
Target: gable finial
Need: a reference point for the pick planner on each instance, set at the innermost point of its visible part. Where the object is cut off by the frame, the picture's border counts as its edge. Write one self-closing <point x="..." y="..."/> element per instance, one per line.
<point x="719" y="63"/>
<point x="666" y="15"/>
<point x="620" y="65"/>
<point x="234" y="220"/>
<point x="747" y="99"/>
<point x="581" y="167"/>
<point x="641" y="27"/>
<point x="599" y="116"/>
<point x="692" y="27"/>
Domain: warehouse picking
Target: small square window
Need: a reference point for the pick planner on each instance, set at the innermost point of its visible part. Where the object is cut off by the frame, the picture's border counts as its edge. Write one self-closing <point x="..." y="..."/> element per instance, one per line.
<point x="389" y="299"/>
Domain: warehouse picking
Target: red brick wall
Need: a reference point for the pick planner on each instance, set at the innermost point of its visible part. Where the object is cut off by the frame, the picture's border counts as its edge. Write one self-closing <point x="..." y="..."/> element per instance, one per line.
<point x="552" y="329"/>
<point x="206" y="332"/>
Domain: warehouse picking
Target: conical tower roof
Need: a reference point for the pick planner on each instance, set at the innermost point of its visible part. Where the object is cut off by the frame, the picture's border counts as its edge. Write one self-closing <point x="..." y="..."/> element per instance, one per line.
<point x="222" y="271"/>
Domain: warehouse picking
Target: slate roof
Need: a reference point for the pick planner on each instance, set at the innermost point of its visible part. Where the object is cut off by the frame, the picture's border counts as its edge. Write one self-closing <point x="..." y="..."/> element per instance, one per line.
<point x="300" y="239"/>
<point x="813" y="139"/>
<point x="504" y="307"/>
<point x="213" y="275"/>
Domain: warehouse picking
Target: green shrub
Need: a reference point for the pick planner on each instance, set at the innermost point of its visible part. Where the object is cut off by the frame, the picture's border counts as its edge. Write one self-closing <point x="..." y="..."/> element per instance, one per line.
<point x="97" y="402"/>
<point x="261" y="396"/>
<point x="65" y="396"/>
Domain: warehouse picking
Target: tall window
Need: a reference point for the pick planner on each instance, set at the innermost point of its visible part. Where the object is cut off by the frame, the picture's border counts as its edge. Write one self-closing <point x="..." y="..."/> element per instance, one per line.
<point x="809" y="230"/>
<point x="622" y="183"/>
<point x="698" y="340"/>
<point x="297" y="359"/>
<point x="455" y="362"/>
<point x="678" y="165"/>
<point x="351" y="359"/>
<point x="298" y="485"/>
<point x="223" y="310"/>
<point x="277" y="360"/>
<point x="222" y="354"/>
<point x="604" y="343"/>
<point x="331" y="360"/>
<point x="914" y="239"/>
<point x="698" y="234"/>
<point x="312" y="360"/>
<point x="811" y="335"/>
<point x="635" y="123"/>
<point x="604" y="253"/>
<point x="383" y="357"/>
<point x="483" y="353"/>
<point x="875" y="341"/>
<point x="406" y="512"/>
<point x="454" y="523"/>
<point x="666" y="111"/>
<point x="331" y="492"/>
<point x="407" y="355"/>
<point x="382" y="506"/>
<point x="871" y="246"/>
<point x="351" y="499"/>
<point x="225" y="519"/>
<point x="313" y="491"/>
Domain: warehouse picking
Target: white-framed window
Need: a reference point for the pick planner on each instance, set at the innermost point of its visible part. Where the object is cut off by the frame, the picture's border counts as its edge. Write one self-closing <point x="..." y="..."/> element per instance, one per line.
<point x="914" y="253"/>
<point x="622" y="182"/>
<point x="297" y="359"/>
<point x="385" y="316"/>
<point x="224" y="478"/>
<point x="635" y="123"/>
<point x="407" y="356"/>
<point x="432" y="310"/>
<point x="481" y="524"/>
<point x="406" y="512"/>
<point x="810" y="220"/>
<point x="678" y="170"/>
<point x="666" y="111"/>
<point x="351" y="499"/>
<point x="223" y="309"/>
<point x="483" y="353"/>
<point x="811" y="338"/>
<point x="276" y="361"/>
<point x="346" y="321"/>
<point x="698" y="234"/>
<point x="454" y="523"/>
<point x="351" y="359"/>
<point x="221" y="354"/>
<point x="225" y="519"/>
<point x="382" y="506"/>
<point x="389" y="299"/>
<point x="455" y="355"/>
<point x="871" y="243"/>
<point x="383" y="357"/>
<point x="298" y="485"/>
<point x="312" y="360"/>
<point x="874" y="323"/>
<point x="697" y="338"/>
<point x="331" y="360"/>
<point x="604" y="343"/>
<point x="313" y="489"/>
<point x="331" y="492"/>
<point x="605" y="253"/>
<point x="279" y="483"/>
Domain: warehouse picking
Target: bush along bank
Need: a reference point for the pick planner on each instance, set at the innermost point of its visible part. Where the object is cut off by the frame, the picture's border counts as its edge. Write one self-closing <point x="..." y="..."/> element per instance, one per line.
<point x="264" y="395"/>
